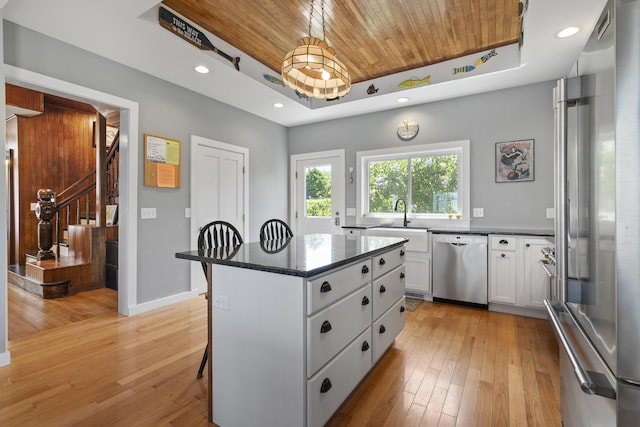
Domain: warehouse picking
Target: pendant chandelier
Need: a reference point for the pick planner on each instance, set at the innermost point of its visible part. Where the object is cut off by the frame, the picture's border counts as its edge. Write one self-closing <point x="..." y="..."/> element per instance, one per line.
<point x="313" y="69"/>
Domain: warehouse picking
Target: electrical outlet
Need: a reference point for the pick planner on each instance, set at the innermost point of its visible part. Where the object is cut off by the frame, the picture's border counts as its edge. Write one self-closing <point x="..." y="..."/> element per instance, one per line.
<point x="478" y="212"/>
<point x="551" y="213"/>
<point x="147" y="213"/>
<point x="221" y="302"/>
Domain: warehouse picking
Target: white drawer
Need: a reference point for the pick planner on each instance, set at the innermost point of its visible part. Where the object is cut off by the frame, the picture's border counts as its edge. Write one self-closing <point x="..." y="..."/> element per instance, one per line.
<point x="387" y="328"/>
<point x="388" y="261"/>
<point x="352" y="231"/>
<point x="326" y="289"/>
<point x="503" y="243"/>
<point x="339" y="377"/>
<point x="334" y="327"/>
<point x="387" y="290"/>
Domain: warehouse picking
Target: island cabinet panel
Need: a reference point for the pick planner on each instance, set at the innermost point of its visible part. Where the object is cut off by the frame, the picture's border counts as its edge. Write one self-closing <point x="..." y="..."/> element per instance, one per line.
<point x="386" y="328"/>
<point x="332" y="384"/>
<point x="388" y="261"/>
<point x="387" y="290"/>
<point x="328" y="288"/>
<point x="330" y="330"/>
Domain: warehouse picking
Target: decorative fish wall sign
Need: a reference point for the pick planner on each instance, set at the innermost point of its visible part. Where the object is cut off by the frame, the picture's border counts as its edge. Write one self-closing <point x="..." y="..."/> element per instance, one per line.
<point x="485" y="58"/>
<point x="414" y="81"/>
<point x="188" y="32"/>
<point x="372" y="89"/>
<point x="464" y="69"/>
<point x="272" y="79"/>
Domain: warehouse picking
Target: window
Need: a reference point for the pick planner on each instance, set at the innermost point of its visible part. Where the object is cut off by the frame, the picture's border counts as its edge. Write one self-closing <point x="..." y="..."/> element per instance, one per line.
<point x="430" y="178"/>
<point x="317" y="191"/>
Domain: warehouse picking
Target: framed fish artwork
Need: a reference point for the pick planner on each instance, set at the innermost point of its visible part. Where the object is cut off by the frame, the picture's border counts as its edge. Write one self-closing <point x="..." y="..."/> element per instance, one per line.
<point x="514" y="161"/>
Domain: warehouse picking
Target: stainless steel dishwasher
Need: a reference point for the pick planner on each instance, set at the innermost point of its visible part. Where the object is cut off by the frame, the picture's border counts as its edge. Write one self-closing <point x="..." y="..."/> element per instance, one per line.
<point x="460" y="268"/>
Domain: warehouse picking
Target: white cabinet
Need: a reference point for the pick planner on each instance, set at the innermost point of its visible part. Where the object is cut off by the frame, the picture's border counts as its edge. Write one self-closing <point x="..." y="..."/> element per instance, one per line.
<point x="417" y="258"/>
<point x="535" y="282"/>
<point x="517" y="284"/>
<point x="502" y="269"/>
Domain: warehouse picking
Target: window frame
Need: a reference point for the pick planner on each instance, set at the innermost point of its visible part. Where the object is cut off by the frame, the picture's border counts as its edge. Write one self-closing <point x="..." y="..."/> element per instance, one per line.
<point x="460" y="148"/>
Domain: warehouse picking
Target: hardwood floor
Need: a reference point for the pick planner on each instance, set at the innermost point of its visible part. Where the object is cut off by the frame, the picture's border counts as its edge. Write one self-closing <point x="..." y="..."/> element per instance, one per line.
<point x="450" y="366"/>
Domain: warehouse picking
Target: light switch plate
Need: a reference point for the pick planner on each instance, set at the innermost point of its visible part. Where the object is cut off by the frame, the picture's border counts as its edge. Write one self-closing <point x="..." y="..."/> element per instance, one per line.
<point x="478" y="212"/>
<point x="551" y="213"/>
<point x="147" y="213"/>
<point x="187" y="212"/>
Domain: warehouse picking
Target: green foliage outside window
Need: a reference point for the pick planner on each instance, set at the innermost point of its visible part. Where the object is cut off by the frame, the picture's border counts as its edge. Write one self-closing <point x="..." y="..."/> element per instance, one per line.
<point x="434" y="184"/>
<point x="318" y="192"/>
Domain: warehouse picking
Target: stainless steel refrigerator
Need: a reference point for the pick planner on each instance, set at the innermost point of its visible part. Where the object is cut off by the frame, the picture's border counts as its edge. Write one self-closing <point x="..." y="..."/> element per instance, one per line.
<point x="597" y="314"/>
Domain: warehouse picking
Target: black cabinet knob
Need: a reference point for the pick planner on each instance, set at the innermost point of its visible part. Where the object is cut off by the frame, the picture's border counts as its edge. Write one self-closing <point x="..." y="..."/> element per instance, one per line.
<point x="503" y="255"/>
<point x="365" y="346"/>
<point x="326" y="327"/>
<point x="382" y="289"/>
<point x="382" y="261"/>
<point x="402" y="309"/>
<point x="402" y="274"/>
<point x="325" y="287"/>
<point x="365" y="269"/>
<point x="365" y="300"/>
<point x="326" y="385"/>
<point x="382" y="329"/>
<point x="527" y="245"/>
<point x="401" y="253"/>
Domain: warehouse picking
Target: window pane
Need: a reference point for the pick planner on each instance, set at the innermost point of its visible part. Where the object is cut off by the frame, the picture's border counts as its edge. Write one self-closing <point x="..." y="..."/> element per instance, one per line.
<point x="434" y="184"/>
<point x="318" y="191"/>
<point x="387" y="183"/>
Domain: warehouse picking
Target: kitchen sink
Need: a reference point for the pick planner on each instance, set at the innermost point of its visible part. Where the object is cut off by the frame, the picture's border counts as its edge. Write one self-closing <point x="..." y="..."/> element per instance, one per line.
<point x="418" y="236"/>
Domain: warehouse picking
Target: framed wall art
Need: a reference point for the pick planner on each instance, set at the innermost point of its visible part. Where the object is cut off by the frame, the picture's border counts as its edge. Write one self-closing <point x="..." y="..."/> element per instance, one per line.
<point x="514" y="161"/>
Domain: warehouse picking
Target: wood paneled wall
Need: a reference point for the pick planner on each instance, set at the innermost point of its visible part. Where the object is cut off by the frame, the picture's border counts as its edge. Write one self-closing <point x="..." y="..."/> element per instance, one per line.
<point x="52" y="150"/>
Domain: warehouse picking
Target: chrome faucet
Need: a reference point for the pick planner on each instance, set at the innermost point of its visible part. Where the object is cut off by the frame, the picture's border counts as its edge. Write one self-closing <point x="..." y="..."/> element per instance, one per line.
<point x="404" y="222"/>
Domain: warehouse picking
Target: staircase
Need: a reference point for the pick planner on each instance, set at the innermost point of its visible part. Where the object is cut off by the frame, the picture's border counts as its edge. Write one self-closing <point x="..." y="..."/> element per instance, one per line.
<point x="80" y="244"/>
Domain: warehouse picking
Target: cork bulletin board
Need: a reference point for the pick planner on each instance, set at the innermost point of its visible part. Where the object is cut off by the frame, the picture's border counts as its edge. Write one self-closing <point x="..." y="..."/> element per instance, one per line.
<point x="161" y="162"/>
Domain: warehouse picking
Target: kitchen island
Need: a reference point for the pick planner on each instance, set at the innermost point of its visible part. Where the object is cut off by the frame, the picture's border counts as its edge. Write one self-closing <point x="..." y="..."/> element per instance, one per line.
<point x="294" y="325"/>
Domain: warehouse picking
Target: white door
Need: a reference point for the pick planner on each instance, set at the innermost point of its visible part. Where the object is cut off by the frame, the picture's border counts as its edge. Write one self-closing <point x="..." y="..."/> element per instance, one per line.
<point x="318" y="192"/>
<point x="218" y="191"/>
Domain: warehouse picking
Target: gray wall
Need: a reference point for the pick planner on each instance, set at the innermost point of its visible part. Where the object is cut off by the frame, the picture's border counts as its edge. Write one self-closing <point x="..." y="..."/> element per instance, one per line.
<point x="174" y="112"/>
<point x="510" y="114"/>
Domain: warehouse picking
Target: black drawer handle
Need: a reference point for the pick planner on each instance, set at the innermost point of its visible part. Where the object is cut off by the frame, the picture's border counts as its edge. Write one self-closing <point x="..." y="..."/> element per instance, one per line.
<point x="503" y="242"/>
<point x="503" y="255"/>
<point x="326" y="327"/>
<point x="325" y="287"/>
<point x="326" y="385"/>
<point x="365" y="269"/>
<point x="402" y="274"/>
<point x="402" y="309"/>
<point x="382" y="329"/>
<point x="382" y="289"/>
<point x="365" y="300"/>
<point x="365" y="346"/>
<point x="382" y="261"/>
<point x="401" y="253"/>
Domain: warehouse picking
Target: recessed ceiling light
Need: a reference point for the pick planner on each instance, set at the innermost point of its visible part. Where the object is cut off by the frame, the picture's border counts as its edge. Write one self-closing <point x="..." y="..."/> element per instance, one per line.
<point x="567" y="32"/>
<point x="201" y="69"/>
<point x="403" y="99"/>
<point x="278" y="105"/>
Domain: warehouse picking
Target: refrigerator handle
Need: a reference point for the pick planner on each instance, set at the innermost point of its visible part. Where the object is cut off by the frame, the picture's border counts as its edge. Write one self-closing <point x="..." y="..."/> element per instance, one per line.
<point x="560" y="139"/>
<point x="586" y="384"/>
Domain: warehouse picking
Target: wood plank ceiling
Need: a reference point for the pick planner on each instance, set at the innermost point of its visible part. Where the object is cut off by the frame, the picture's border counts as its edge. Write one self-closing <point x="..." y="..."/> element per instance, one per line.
<point x="373" y="38"/>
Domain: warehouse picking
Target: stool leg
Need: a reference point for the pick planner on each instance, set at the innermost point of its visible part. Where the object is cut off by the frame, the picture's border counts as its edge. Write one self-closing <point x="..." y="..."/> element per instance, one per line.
<point x="203" y="363"/>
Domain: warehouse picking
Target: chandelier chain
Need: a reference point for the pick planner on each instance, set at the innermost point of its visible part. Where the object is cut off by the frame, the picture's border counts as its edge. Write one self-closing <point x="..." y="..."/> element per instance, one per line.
<point x="324" y="37"/>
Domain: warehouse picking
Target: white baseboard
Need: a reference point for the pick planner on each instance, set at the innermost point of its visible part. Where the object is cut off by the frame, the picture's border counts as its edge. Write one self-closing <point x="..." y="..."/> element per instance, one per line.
<point x="162" y="302"/>
<point x="5" y="358"/>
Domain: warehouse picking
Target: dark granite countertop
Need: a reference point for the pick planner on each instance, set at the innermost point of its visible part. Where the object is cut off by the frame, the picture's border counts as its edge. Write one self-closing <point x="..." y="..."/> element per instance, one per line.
<point x="472" y="230"/>
<point x="303" y="256"/>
